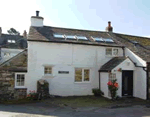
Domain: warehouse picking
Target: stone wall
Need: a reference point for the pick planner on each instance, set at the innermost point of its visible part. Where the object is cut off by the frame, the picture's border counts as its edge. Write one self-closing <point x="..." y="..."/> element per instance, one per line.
<point x="7" y="86"/>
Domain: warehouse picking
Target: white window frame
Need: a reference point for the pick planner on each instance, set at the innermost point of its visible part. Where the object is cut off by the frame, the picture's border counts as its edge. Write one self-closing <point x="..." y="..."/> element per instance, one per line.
<point x="82" y="75"/>
<point x="16" y="80"/>
<point x="112" y="52"/>
<point x="48" y="75"/>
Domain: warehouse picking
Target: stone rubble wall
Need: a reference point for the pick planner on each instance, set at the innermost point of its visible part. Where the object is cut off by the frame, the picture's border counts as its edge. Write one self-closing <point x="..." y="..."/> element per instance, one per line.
<point x="7" y="86"/>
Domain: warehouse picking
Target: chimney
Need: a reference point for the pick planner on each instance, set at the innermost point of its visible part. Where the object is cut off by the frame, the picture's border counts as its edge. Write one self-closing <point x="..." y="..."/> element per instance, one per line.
<point x="37" y="21"/>
<point x="109" y="28"/>
<point x="24" y="34"/>
<point x="0" y="31"/>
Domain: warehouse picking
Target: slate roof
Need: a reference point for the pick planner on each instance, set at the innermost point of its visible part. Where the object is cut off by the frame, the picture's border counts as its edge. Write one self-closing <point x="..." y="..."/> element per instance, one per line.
<point x="21" y="43"/>
<point x="17" y="63"/>
<point x="45" y="34"/>
<point x="112" y="64"/>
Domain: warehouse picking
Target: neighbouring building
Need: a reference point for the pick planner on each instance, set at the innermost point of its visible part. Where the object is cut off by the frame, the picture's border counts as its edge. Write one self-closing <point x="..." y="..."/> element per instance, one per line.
<point x="75" y="61"/>
<point x="11" y="45"/>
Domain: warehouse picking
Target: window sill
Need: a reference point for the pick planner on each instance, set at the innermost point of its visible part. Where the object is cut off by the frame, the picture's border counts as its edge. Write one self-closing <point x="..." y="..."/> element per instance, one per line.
<point x="20" y="87"/>
<point x="49" y="76"/>
<point x="82" y="82"/>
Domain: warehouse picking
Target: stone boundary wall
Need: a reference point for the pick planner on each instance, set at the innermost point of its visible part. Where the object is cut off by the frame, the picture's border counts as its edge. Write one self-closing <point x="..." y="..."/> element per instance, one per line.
<point x="7" y="86"/>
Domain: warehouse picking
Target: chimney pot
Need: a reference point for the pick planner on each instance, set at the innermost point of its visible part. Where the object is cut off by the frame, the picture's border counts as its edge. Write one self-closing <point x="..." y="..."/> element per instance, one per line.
<point x="37" y="13"/>
<point x="109" y="28"/>
<point x="24" y="34"/>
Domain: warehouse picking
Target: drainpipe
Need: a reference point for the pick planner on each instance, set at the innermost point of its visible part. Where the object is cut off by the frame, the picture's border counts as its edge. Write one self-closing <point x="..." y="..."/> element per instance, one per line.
<point x="147" y="74"/>
<point x="123" y="48"/>
<point x="99" y="81"/>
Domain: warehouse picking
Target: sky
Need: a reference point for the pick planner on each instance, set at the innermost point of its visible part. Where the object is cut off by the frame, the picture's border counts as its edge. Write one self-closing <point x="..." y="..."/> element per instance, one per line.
<point x="126" y="16"/>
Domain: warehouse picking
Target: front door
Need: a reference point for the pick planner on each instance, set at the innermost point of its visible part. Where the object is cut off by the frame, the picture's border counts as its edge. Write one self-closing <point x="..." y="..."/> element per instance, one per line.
<point x="127" y="83"/>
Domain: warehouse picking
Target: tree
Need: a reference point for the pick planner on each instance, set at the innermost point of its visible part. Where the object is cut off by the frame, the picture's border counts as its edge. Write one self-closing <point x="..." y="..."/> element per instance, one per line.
<point x="13" y="31"/>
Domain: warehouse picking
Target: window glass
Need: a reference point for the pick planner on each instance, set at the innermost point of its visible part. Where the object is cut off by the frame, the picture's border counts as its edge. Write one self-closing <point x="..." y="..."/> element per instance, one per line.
<point x="20" y="80"/>
<point x="115" y="52"/>
<point x="86" y="74"/>
<point x="59" y="36"/>
<point x="70" y="37"/>
<point x="98" y="39"/>
<point x="78" y="75"/>
<point x="48" y="70"/>
<point x="82" y="37"/>
<point x="108" y="51"/>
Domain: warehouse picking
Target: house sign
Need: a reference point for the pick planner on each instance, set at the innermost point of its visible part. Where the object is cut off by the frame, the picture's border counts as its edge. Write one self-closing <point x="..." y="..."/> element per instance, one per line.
<point x="63" y="72"/>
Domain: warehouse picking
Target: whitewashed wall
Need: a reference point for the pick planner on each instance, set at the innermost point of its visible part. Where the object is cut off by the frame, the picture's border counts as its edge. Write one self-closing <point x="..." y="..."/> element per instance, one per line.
<point x="140" y="75"/>
<point x="105" y="77"/>
<point x="65" y="57"/>
<point x="12" y="52"/>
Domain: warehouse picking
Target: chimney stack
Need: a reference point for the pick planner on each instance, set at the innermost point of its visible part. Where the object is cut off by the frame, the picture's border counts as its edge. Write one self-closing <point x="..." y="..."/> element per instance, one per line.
<point x="0" y="31"/>
<point x="109" y="28"/>
<point x="24" y="34"/>
<point x="37" y="21"/>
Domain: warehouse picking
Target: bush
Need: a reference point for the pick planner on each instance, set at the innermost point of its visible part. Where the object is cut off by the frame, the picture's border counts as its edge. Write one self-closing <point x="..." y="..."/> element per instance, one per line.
<point x="97" y="92"/>
<point x="32" y="95"/>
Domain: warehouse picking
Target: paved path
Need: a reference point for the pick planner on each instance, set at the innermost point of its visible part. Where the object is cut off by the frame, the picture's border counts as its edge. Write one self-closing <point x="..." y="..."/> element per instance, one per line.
<point x="43" y="110"/>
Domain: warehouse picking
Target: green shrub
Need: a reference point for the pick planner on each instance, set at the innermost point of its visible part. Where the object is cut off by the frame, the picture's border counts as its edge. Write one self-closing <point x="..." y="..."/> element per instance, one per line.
<point x="97" y="92"/>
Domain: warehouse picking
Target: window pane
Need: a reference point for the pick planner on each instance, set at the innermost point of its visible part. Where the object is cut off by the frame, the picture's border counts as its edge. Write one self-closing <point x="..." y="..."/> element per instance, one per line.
<point x="71" y="37"/>
<point x="108" y="51"/>
<point x="48" y="70"/>
<point x="59" y="36"/>
<point x="115" y="52"/>
<point x="20" y="80"/>
<point x="78" y="75"/>
<point x="86" y="74"/>
<point x="98" y="39"/>
<point x="82" y="37"/>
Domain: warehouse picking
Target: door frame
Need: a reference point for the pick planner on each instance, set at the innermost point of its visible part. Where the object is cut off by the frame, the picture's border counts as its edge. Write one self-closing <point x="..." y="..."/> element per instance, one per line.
<point x="123" y="82"/>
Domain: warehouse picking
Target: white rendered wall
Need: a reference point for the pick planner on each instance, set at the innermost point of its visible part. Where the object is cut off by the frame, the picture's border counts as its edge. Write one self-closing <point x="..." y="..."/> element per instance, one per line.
<point x="12" y="52"/>
<point x="140" y="75"/>
<point x="36" y="22"/>
<point x="105" y="77"/>
<point x="65" y="57"/>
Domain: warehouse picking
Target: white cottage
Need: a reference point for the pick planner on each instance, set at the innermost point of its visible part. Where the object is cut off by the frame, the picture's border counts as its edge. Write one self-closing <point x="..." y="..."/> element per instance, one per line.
<point x="75" y="61"/>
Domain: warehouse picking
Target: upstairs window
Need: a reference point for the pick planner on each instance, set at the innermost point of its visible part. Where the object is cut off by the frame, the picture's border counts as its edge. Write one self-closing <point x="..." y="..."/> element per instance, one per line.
<point x="82" y="75"/>
<point x="108" y="40"/>
<point x="70" y="36"/>
<point x="59" y="36"/>
<point x="48" y="70"/>
<point x="81" y="37"/>
<point x="99" y="39"/>
<point x="111" y="52"/>
<point x="11" y="41"/>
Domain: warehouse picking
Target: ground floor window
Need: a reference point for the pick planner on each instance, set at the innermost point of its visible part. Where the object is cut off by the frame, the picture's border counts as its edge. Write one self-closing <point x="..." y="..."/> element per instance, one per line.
<point x="82" y="75"/>
<point x="19" y="80"/>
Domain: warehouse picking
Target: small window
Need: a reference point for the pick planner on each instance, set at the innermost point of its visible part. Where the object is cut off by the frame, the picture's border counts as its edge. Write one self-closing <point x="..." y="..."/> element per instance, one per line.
<point x="112" y="52"/>
<point x="48" y="70"/>
<point x="13" y="41"/>
<point x="70" y="36"/>
<point x="109" y="51"/>
<point x="98" y="39"/>
<point x="108" y="40"/>
<point x="115" y="52"/>
<point x="82" y="75"/>
<point x="78" y="75"/>
<point x="59" y="36"/>
<point x="20" y="80"/>
<point x="81" y="37"/>
<point x="86" y="74"/>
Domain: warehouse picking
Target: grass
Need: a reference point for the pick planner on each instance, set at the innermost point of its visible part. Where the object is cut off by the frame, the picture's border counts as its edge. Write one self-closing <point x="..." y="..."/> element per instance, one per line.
<point x="19" y="101"/>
